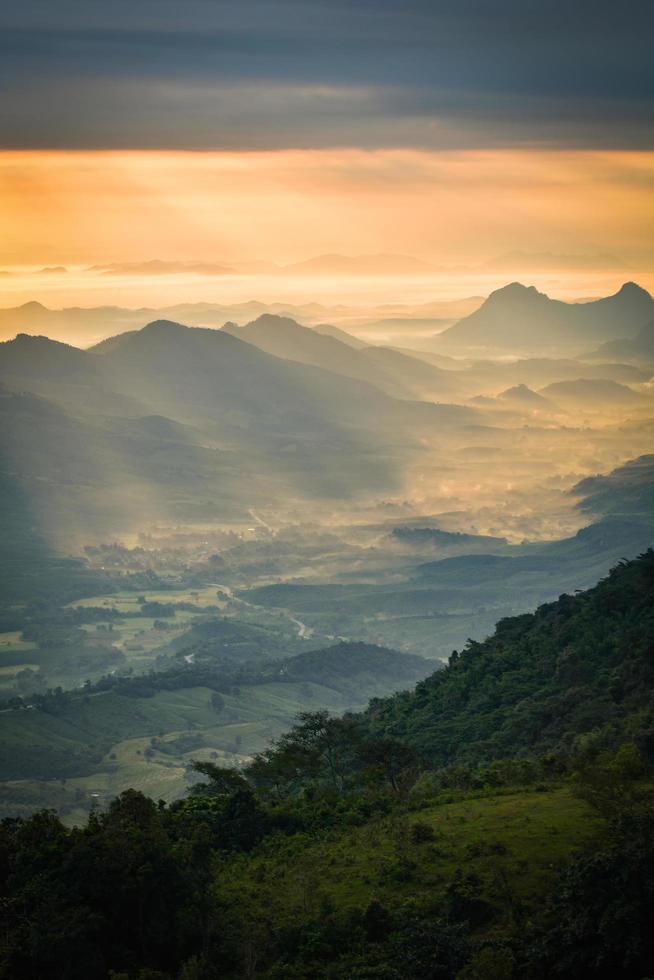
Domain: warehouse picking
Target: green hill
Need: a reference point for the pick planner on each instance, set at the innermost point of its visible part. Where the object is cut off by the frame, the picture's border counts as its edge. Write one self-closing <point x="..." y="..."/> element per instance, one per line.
<point x="629" y="489"/>
<point x="99" y="739"/>
<point x="578" y="665"/>
<point x="494" y="824"/>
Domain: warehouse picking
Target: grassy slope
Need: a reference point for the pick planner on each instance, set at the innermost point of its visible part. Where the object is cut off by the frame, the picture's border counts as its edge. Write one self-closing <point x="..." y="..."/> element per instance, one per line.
<point x="513" y="841"/>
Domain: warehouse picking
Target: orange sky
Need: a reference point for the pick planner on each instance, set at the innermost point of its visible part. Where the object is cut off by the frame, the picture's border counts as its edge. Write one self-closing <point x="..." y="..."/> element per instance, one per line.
<point x="449" y="207"/>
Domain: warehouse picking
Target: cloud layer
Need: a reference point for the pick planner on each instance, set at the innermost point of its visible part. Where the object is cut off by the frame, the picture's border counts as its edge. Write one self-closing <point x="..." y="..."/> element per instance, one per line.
<point x="267" y="74"/>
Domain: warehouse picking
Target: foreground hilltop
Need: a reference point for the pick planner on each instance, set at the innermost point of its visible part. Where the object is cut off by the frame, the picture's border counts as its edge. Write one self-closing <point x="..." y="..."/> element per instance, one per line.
<point x="495" y="823"/>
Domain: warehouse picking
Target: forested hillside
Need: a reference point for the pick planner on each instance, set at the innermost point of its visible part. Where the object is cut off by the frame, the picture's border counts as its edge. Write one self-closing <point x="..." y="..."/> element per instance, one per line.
<point x="583" y="663"/>
<point x="495" y="823"/>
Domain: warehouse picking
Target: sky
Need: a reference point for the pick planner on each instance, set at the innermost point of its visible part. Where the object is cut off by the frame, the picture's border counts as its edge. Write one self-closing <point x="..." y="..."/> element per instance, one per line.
<point x="275" y="130"/>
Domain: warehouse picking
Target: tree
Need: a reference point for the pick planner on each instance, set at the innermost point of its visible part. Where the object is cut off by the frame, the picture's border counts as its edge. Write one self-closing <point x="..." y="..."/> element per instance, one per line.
<point x="490" y="963"/>
<point x="318" y="748"/>
<point x="217" y="701"/>
<point x="613" y="782"/>
<point x="599" y="921"/>
<point x="222" y="780"/>
<point x="391" y="761"/>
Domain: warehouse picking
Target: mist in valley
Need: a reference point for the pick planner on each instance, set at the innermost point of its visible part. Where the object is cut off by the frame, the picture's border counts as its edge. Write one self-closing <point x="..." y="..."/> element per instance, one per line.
<point x="221" y="489"/>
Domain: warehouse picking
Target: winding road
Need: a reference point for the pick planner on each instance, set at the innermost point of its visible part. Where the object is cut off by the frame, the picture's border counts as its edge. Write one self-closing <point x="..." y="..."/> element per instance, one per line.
<point x="304" y="632"/>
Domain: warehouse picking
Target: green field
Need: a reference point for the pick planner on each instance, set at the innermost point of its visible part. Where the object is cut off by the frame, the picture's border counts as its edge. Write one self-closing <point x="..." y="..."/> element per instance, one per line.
<point x="134" y="636"/>
<point x="14" y="641"/>
<point x="16" y="654"/>
<point x="99" y="745"/>
<point x="129" y="601"/>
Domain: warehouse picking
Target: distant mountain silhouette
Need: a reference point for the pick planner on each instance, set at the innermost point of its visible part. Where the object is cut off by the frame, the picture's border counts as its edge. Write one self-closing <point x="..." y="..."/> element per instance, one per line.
<point x="40" y="358"/>
<point x="330" y="331"/>
<point x="202" y="373"/>
<point x="518" y="317"/>
<point x="195" y="423"/>
<point x="593" y="392"/>
<point x="87" y="325"/>
<point x="69" y="377"/>
<point x="76" y="324"/>
<point x="399" y="375"/>
<point x="515" y="401"/>
<point x="639" y="348"/>
<point x="528" y="397"/>
<point x="158" y="267"/>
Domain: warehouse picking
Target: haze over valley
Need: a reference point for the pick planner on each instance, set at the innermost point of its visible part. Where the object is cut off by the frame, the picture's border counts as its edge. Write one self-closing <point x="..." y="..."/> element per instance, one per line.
<point x="226" y="484"/>
<point x="169" y="430"/>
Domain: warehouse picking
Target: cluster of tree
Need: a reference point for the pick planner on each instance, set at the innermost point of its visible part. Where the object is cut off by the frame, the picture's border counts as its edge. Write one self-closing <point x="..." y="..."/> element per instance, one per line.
<point x="214" y="637"/>
<point x="334" y="667"/>
<point x="136" y="893"/>
<point x="326" y="752"/>
<point x="545" y="691"/>
<point x="542" y="681"/>
<point x="322" y="753"/>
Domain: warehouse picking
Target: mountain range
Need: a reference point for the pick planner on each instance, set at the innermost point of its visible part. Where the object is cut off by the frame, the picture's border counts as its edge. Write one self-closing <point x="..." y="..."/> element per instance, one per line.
<point x="597" y="393"/>
<point x="627" y="490"/>
<point x="194" y="423"/>
<point x="88" y="325"/>
<point x="516" y="318"/>
<point x="179" y="421"/>
<point x="520" y="318"/>
<point x="398" y="374"/>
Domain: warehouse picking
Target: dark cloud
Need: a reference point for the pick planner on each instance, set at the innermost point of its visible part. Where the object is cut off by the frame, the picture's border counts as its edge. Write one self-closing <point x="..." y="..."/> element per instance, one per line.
<point x="274" y="73"/>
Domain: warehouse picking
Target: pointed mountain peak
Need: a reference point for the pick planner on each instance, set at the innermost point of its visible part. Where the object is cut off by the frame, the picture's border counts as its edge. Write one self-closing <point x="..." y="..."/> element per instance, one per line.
<point x="629" y="289"/>
<point x="522" y="392"/>
<point x="515" y="291"/>
<point x="521" y="389"/>
<point x="514" y="297"/>
<point x="32" y="305"/>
